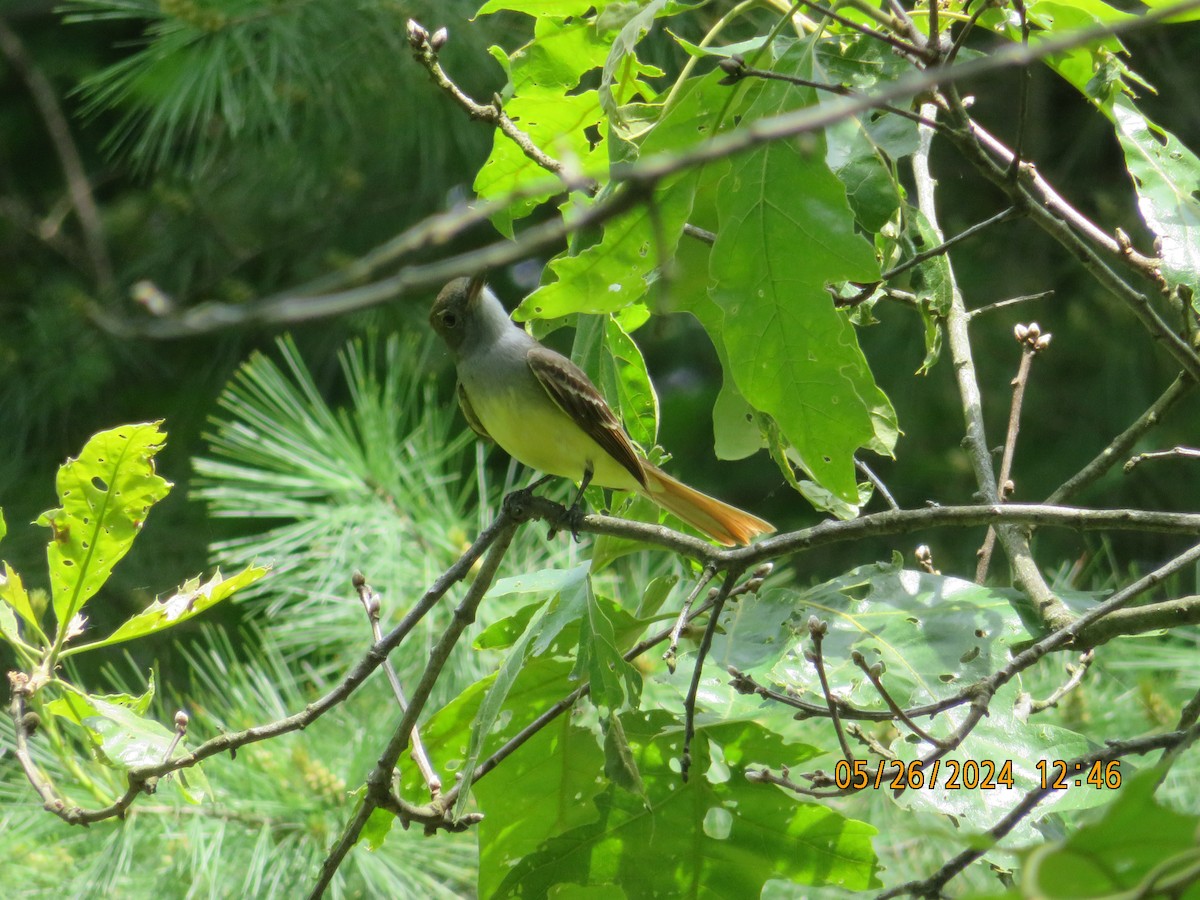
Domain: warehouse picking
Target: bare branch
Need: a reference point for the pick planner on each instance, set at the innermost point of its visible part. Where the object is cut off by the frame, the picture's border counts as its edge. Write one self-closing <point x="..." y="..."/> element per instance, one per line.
<point x="1124" y="441"/>
<point x="78" y="186"/>
<point x="1032" y="342"/>
<point x="632" y="184"/>
<point x="1015" y="542"/>
<point x="1173" y="453"/>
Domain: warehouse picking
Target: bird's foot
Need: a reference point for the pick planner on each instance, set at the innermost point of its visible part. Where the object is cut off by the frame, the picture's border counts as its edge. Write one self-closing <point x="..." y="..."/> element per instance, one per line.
<point x="572" y="520"/>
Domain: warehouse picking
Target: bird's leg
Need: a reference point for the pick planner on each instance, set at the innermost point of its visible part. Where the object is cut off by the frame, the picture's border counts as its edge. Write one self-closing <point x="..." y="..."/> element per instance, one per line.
<point x="574" y="515"/>
<point x="537" y="484"/>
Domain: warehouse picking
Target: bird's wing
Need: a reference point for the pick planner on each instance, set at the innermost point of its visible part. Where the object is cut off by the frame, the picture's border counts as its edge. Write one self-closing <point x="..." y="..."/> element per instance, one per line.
<point x="570" y="388"/>
<point x="468" y="412"/>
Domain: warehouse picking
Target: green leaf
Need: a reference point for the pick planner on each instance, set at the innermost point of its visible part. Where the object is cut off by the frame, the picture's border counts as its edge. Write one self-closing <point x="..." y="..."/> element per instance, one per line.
<point x="1000" y="737"/>
<point x="1192" y="15"/>
<point x="933" y="634"/>
<point x="619" y="765"/>
<point x="543" y="72"/>
<point x="13" y="593"/>
<point x="541" y="631"/>
<point x="543" y="790"/>
<point x="932" y="282"/>
<point x="1167" y="177"/>
<point x="122" y="736"/>
<point x="106" y="494"/>
<point x="559" y="8"/>
<point x="192" y="598"/>
<point x="624" y="377"/>
<point x="733" y="834"/>
<point x="655" y="595"/>
<point x="599" y="659"/>
<point x="378" y="826"/>
<point x="1137" y="844"/>
<point x="619" y="81"/>
<point x="3" y="525"/>
<point x="786" y="231"/>
<point x="8" y="626"/>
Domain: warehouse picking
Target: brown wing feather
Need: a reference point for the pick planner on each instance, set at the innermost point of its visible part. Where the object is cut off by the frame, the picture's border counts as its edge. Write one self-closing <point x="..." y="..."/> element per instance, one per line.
<point x="570" y="388"/>
<point x="468" y="412"/>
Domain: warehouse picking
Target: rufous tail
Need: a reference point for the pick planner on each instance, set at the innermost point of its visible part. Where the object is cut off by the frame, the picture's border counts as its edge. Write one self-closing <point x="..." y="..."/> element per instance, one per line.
<point x="725" y="524"/>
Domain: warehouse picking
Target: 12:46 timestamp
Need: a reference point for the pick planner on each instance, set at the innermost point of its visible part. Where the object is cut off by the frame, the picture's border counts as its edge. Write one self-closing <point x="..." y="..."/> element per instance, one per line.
<point x="1058" y="774"/>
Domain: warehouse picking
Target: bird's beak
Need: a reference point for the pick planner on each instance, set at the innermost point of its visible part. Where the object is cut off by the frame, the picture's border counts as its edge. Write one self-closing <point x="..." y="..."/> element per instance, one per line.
<point x="475" y="288"/>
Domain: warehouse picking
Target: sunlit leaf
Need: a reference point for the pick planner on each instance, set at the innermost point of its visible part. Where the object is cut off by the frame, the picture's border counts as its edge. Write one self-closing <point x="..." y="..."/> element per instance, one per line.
<point x="786" y="232"/>
<point x="106" y="494"/>
<point x="192" y="598"/>
<point x="1167" y="177"/>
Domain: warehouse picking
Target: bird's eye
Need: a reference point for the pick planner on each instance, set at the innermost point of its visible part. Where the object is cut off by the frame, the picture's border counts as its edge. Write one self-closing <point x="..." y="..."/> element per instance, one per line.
<point x="449" y="319"/>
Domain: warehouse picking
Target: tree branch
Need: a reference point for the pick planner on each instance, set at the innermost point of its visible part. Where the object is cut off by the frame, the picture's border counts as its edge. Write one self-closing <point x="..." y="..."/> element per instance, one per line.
<point x="1124" y="441"/>
<point x="1015" y="542"/>
<point x="631" y="181"/>
<point x="78" y="187"/>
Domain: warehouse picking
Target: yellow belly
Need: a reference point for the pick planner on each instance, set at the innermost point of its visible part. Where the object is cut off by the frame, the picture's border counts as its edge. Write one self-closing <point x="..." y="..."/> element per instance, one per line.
<point x="543" y="437"/>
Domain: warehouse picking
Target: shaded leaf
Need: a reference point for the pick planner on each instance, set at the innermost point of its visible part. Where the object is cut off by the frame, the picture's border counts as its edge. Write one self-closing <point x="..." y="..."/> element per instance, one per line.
<point x="1135" y="839"/>
<point x="717" y="835"/>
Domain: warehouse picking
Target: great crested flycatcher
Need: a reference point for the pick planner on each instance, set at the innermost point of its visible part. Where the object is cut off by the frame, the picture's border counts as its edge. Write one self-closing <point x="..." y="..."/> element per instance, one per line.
<point x="544" y="411"/>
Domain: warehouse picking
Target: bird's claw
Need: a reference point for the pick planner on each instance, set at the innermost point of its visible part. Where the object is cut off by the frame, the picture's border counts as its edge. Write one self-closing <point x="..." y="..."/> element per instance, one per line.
<point x="571" y="519"/>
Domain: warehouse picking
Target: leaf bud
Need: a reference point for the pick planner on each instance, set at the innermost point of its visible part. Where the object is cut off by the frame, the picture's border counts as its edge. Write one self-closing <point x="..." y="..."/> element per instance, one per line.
<point x="438" y="41"/>
<point x="417" y="35"/>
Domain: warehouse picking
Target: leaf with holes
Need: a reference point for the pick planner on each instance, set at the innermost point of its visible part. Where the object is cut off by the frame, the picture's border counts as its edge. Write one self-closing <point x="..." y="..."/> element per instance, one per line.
<point x="106" y="493"/>
<point x="933" y="635"/>
<point x="192" y="598"/>
<point x="1167" y="177"/>
<point x="969" y="782"/>
<point x="716" y="835"/>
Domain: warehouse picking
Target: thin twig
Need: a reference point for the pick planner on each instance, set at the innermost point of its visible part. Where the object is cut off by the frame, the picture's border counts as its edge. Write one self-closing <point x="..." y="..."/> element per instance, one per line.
<point x="685" y="611"/>
<point x="817" y="631"/>
<point x="945" y="245"/>
<point x="1123" y="442"/>
<point x="1011" y="301"/>
<point x="1024" y="77"/>
<point x="877" y="483"/>
<point x="1016" y="543"/>
<point x="736" y="70"/>
<point x="689" y="703"/>
<point x="1053" y="201"/>
<point x="1173" y="453"/>
<point x="1032" y="342"/>
<point x="379" y="781"/>
<point x="875" y="675"/>
<point x="372" y="603"/>
<point x="78" y="186"/>
<point x="493" y="113"/>
<point x="912" y="51"/>
<point x="1076" y="674"/>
